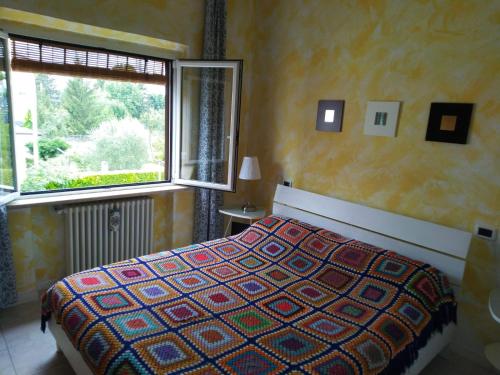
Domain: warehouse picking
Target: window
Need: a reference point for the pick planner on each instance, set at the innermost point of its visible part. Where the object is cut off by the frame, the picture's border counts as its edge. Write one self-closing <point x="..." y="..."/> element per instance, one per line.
<point x="85" y="117"/>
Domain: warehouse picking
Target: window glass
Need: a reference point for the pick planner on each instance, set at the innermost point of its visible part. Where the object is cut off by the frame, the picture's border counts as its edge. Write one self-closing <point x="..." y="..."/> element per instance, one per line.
<point x="205" y="149"/>
<point x="75" y="132"/>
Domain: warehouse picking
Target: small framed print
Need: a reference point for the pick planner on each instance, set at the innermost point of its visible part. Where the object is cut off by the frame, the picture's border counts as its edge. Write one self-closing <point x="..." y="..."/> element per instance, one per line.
<point x="449" y="122"/>
<point x="382" y="118"/>
<point x="329" y="117"/>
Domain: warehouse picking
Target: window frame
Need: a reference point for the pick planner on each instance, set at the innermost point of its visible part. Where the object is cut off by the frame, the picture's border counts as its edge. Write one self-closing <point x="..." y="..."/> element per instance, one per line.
<point x="168" y="122"/>
<point x="237" y="66"/>
<point x="14" y="194"/>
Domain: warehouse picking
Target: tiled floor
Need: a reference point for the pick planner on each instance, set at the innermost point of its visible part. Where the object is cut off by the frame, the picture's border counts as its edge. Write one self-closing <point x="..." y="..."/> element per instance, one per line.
<point x="25" y="350"/>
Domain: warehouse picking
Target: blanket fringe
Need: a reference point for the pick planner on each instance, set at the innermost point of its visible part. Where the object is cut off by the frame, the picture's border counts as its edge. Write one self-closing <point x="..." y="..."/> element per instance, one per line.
<point x="46" y="312"/>
<point x="446" y="314"/>
<point x="45" y="318"/>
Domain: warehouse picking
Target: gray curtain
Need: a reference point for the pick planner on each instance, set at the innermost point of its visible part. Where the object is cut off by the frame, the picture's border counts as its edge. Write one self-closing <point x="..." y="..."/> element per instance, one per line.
<point x="8" y="294"/>
<point x="208" y="223"/>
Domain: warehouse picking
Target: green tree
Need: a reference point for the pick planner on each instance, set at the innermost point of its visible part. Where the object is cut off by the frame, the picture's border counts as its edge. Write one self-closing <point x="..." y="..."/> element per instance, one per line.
<point x="127" y="99"/>
<point x="85" y="111"/>
<point x="153" y="120"/>
<point x="131" y="95"/>
<point x="46" y="85"/>
<point x="50" y="114"/>
<point x="154" y="115"/>
<point x="156" y="101"/>
<point x="118" y="109"/>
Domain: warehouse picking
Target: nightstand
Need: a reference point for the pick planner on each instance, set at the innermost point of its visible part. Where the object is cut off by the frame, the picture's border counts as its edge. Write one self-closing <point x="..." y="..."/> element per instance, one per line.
<point x="492" y="351"/>
<point x="238" y="213"/>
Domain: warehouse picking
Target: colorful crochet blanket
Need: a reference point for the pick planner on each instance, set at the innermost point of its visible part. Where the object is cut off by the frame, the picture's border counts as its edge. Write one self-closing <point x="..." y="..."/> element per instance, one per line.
<point x="281" y="297"/>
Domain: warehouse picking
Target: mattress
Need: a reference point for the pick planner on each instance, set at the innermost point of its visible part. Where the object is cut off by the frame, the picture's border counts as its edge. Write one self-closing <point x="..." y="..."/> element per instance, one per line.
<point x="281" y="297"/>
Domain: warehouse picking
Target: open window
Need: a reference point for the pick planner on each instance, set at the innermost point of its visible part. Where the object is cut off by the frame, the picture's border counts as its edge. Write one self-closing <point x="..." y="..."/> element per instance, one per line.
<point x="206" y="122"/>
<point x="8" y="183"/>
<point x="87" y="117"/>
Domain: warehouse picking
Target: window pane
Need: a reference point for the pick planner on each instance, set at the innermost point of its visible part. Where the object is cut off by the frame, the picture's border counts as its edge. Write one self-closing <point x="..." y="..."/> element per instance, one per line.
<point x="74" y="132"/>
<point x="205" y="120"/>
<point x="7" y="180"/>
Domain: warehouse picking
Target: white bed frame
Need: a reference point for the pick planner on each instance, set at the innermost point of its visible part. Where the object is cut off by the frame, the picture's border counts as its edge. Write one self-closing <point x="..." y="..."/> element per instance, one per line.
<point x="443" y="247"/>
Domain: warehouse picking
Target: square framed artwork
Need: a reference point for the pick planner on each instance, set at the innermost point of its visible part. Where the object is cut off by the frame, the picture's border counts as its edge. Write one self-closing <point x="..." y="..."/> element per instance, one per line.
<point x="329" y="117"/>
<point x="382" y="118"/>
<point x="449" y="122"/>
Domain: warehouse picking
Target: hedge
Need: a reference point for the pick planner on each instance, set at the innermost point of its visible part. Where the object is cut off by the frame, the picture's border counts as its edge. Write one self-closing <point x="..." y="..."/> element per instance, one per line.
<point x="7" y="175"/>
<point x="105" y="180"/>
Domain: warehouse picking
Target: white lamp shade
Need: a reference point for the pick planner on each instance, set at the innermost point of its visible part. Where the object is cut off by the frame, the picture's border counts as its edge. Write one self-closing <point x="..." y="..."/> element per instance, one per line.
<point x="250" y="169"/>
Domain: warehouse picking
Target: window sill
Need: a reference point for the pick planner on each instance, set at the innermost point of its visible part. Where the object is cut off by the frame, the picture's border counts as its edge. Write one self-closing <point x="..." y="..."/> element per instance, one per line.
<point x="94" y="195"/>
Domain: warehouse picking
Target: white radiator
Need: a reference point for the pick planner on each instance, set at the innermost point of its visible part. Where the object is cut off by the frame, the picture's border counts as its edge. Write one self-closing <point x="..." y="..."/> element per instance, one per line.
<point x="99" y="233"/>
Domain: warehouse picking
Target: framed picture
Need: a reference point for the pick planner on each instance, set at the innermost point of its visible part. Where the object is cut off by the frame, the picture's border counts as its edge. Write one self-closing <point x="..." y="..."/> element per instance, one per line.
<point x="382" y="118"/>
<point x="449" y="122"/>
<point x="330" y="113"/>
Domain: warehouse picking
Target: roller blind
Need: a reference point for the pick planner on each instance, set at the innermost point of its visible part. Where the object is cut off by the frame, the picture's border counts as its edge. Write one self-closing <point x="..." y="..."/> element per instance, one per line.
<point x="42" y="56"/>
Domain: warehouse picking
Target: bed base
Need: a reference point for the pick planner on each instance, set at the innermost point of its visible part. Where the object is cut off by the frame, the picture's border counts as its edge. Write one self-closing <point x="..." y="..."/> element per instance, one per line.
<point x="437" y="342"/>
<point x="65" y="346"/>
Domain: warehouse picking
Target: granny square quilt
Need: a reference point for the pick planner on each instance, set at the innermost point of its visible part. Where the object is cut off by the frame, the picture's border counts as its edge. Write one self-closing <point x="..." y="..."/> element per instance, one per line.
<point x="282" y="297"/>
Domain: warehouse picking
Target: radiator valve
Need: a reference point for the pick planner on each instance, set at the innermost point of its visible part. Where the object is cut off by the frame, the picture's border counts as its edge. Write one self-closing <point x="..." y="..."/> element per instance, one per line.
<point x="114" y="219"/>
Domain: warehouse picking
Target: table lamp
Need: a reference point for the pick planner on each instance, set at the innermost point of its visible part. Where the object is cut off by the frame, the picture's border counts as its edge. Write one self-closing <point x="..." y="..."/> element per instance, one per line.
<point x="250" y="170"/>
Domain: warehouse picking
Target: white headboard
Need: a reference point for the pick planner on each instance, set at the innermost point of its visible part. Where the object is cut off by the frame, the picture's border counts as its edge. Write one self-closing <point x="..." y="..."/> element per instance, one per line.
<point x="443" y="247"/>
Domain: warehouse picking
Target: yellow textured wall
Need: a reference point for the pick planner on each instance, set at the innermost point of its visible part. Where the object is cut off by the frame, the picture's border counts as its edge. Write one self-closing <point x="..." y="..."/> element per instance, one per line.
<point x="241" y="42"/>
<point x="178" y="21"/>
<point x="416" y="52"/>
<point x="38" y="247"/>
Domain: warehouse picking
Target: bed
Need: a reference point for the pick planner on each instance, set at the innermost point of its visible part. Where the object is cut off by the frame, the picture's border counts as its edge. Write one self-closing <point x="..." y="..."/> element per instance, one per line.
<point x="310" y="289"/>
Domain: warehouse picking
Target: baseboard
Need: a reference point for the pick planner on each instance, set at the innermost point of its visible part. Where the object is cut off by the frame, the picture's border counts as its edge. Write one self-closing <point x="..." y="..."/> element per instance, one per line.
<point x="33" y="295"/>
<point x="43" y="286"/>
<point x="25" y="297"/>
<point x="473" y="353"/>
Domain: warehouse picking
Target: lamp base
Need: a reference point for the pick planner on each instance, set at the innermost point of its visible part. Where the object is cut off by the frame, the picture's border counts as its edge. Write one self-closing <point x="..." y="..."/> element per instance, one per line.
<point x="248" y="207"/>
